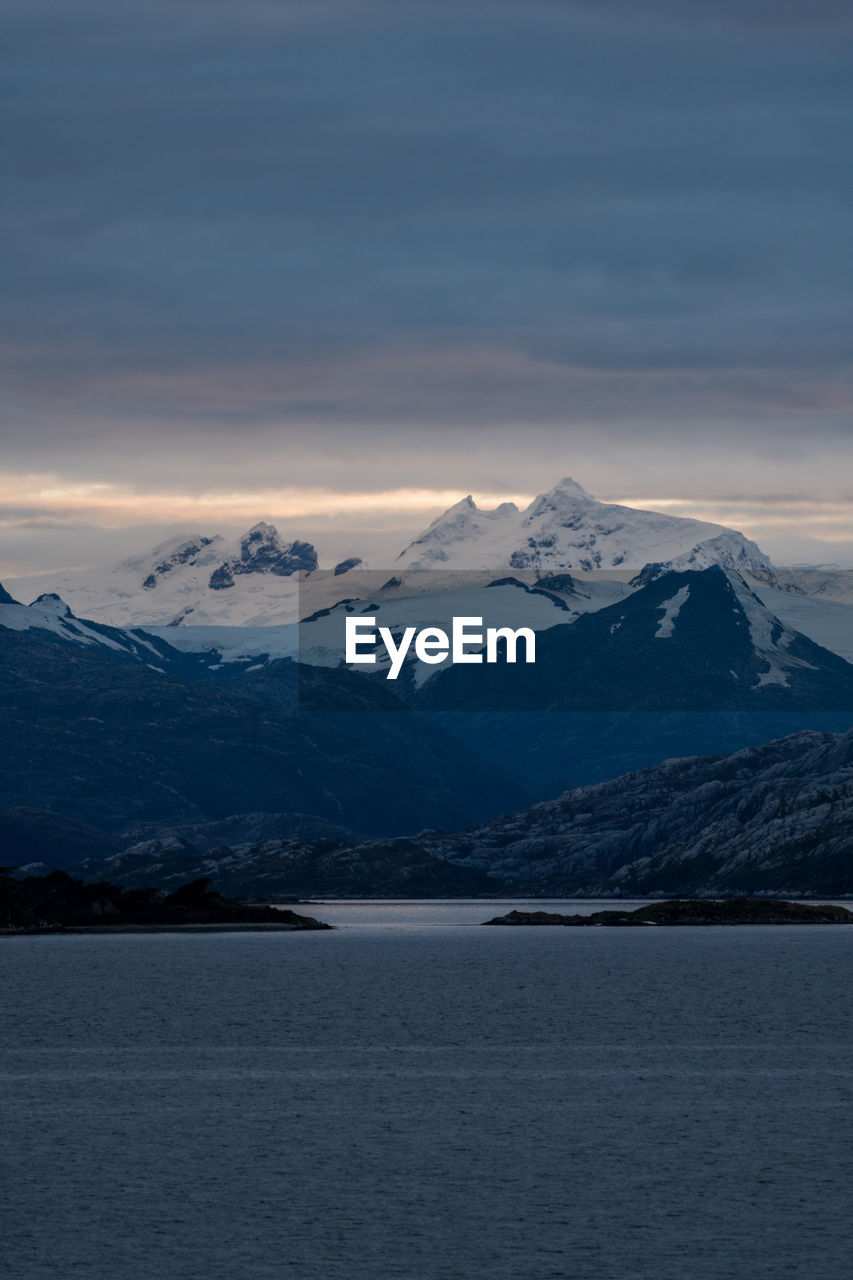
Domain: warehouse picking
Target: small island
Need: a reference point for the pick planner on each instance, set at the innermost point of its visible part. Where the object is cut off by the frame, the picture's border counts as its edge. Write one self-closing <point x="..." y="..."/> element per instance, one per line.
<point x="59" y="903"/>
<point x="697" y="911"/>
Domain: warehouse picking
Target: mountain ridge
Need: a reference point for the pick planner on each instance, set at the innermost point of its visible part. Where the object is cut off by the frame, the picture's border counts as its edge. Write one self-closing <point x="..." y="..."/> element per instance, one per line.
<point x="567" y="528"/>
<point x="697" y="639"/>
<point x="252" y="580"/>
<point x="767" y="821"/>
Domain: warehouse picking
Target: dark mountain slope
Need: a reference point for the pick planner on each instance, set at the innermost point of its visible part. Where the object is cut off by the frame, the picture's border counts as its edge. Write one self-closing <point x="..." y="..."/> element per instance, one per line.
<point x="774" y="820"/>
<point x="694" y="641"/>
<point x="112" y="742"/>
<point x="691" y="664"/>
<point x="35" y="835"/>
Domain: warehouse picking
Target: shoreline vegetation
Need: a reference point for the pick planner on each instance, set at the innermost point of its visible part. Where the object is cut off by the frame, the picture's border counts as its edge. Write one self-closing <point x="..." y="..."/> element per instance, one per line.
<point x="59" y="903"/>
<point x="691" y="911"/>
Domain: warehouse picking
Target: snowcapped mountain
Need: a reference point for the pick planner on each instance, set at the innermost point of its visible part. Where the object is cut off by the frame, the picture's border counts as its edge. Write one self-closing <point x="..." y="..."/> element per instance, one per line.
<point x="567" y="528"/>
<point x="49" y="614"/>
<point x="254" y="580"/>
<point x="202" y="580"/>
<point x="695" y="640"/>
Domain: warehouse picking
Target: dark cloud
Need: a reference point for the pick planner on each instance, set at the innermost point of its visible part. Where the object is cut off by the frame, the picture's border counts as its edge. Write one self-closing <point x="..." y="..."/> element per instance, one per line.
<point x="370" y="217"/>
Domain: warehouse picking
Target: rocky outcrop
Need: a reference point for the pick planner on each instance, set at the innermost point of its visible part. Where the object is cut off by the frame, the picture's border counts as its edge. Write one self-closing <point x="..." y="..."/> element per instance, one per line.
<point x="222" y="578"/>
<point x="344" y="566"/>
<point x="262" y="550"/>
<point x="775" y="820"/>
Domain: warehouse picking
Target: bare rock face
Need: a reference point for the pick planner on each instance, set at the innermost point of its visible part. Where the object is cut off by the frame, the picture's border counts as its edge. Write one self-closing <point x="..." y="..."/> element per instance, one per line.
<point x="222" y="578"/>
<point x="698" y="640"/>
<point x="344" y="566"/>
<point x="292" y="868"/>
<point x="263" y="551"/>
<point x="770" y="820"/>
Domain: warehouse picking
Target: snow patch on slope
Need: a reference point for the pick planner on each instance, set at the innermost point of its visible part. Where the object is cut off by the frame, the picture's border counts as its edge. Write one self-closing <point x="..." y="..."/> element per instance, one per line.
<point x="671" y="609"/>
<point x="828" y="622"/>
<point x="769" y="637"/>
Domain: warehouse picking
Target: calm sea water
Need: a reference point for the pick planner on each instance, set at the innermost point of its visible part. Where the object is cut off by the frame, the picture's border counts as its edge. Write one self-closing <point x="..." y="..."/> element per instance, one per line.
<point x="414" y="1096"/>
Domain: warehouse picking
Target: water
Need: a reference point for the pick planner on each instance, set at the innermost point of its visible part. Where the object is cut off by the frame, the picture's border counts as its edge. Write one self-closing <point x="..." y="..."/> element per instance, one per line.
<point x="414" y="1096"/>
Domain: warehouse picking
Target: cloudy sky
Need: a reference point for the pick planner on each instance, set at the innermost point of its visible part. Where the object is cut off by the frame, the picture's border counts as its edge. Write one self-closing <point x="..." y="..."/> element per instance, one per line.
<point x="337" y="262"/>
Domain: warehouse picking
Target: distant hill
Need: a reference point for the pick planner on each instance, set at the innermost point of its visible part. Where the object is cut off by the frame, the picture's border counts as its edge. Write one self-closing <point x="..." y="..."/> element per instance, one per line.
<point x="774" y="819"/>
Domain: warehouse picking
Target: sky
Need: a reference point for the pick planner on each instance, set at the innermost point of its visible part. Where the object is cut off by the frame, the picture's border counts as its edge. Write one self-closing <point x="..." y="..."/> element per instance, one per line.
<point x="337" y="263"/>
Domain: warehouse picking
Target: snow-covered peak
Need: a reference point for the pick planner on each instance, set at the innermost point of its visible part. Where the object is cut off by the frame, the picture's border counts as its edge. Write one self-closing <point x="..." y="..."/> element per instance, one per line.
<point x="173" y="551"/>
<point x="51" y="614"/>
<point x="202" y="580"/>
<point x="729" y="549"/>
<point x="51" y="605"/>
<point x="463" y="523"/>
<point x="568" y="528"/>
<point x="566" y="493"/>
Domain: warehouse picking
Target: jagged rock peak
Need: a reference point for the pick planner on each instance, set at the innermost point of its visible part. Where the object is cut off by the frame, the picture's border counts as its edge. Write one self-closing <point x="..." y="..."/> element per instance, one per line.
<point x="5" y="598"/>
<point x="262" y="550"/>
